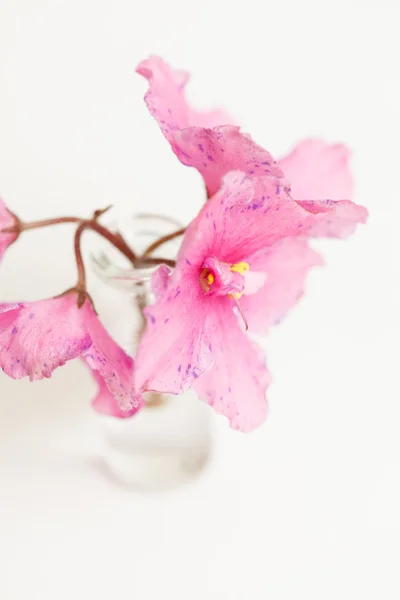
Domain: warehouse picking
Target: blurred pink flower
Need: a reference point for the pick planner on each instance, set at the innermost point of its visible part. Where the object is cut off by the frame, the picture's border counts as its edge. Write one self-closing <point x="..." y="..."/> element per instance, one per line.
<point x="245" y="248"/>
<point x="6" y="220"/>
<point x="210" y="143"/>
<point x="38" y="337"/>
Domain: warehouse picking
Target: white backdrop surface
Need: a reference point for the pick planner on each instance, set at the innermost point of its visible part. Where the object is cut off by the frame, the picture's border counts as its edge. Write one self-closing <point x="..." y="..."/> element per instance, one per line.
<point x="307" y="506"/>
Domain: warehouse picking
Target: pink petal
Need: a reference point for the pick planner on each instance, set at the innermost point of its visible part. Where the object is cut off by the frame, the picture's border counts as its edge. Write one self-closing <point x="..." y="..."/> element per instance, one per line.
<point x="173" y="351"/>
<point x="235" y="385"/>
<point x="114" y="366"/>
<point x="285" y="264"/>
<point x="6" y="220"/>
<point x="38" y="337"/>
<point x="250" y="214"/>
<point x="333" y="218"/>
<point x="106" y="404"/>
<point x="166" y="101"/>
<point x="254" y="282"/>
<point x="215" y="152"/>
<point x="245" y="216"/>
<point x="160" y="280"/>
<point x="207" y="141"/>
<point x="317" y="170"/>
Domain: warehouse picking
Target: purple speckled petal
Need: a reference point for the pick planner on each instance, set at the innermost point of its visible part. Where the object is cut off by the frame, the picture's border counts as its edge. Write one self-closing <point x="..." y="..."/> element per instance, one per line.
<point x="246" y="215"/>
<point x="112" y="363"/>
<point x="249" y="214"/>
<point x="316" y="170"/>
<point x="173" y="351"/>
<point x="208" y="141"/>
<point x="333" y="218"/>
<point x="6" y="220"/>
<point x="166" y="100"/>
<point x="215" y="152"/>
<point x="38" y="337"/>
<point x="106" y="404"/>
<point x="236" y="384"/>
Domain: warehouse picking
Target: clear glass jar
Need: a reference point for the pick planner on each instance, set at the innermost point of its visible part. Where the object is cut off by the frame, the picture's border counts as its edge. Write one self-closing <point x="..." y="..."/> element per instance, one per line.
<point x="169" y="441"/>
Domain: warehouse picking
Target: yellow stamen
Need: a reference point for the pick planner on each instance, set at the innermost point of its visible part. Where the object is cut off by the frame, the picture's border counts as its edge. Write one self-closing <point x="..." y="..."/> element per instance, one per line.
<point x="206" y="280"/>
<point x="240" y="267"/>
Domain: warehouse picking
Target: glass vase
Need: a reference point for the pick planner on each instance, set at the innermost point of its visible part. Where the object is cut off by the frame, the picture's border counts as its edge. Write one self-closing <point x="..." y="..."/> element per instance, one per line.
<point x="169" y="441"/>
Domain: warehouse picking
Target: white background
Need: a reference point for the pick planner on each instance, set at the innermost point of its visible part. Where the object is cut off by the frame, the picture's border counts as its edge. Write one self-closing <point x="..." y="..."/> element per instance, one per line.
<point x="307" y="506"/>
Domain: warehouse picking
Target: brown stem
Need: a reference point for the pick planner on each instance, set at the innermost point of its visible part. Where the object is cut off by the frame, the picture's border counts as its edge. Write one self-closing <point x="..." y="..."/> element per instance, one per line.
<point x="115" y="239"/>
<point x="163" y="240"/>
<point x="99" y="213"/>
<point x="20" y="226"/>
<point x="81" y="284"/>
<point x="118" y="242"/>
<point x="148" y="261"/>
<point x="47" y="222"/>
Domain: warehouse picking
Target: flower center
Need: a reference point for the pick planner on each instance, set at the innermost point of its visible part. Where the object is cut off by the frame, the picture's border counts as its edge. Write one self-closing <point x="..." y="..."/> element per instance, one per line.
<point x="218" y="278"/>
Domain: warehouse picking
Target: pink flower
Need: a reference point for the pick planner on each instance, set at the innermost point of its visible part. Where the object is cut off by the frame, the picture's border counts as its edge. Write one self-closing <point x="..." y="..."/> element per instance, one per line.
<point x="314" y="169"/>
<point x="6" y="220"/>
<point x="207" y="141"/>
<point x="38" y="337"/>
<point x="233" y="252"/>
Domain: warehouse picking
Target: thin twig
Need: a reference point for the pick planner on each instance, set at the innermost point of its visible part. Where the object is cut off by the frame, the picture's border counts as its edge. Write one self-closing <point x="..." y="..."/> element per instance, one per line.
<point x="99" y="213"/>
<point x="148" y="261"/>
<point x="48" y="222"/>
<point x="115" y="239"/>
<point x="81" y="284"/>
<point x="163" y="240"/>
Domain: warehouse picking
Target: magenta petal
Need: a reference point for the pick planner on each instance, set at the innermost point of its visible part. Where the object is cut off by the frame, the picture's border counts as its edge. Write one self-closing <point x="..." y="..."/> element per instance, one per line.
<point x="166" y="101"/>
<point x="316" y="170"/>
<point x="6" y="220"/>
<point x="215" y="152"/>
<point x="285" y="264"/>
<point x="38" y="337"/>
<point x="174" y="351"/>
<point x="236" y="384"/>
<point x="106" y="404"/>
<point x="112" y="363"/>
